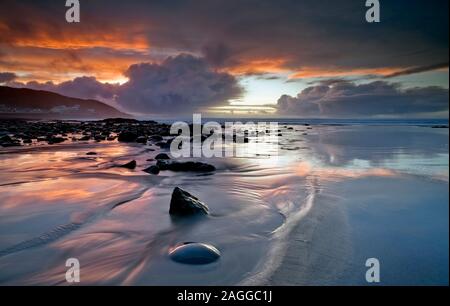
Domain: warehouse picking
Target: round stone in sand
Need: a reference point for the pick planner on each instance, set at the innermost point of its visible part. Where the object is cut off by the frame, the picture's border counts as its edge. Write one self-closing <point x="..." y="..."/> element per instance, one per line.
<point x="194" y="253"/>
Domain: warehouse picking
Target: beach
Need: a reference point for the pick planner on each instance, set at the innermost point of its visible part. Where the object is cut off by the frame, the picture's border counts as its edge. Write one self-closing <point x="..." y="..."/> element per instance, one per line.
<point x="310" y="211"/>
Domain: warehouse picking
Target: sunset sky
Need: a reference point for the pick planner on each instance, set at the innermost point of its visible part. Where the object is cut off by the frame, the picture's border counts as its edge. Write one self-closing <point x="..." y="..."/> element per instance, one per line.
<point x="249" y="57"/>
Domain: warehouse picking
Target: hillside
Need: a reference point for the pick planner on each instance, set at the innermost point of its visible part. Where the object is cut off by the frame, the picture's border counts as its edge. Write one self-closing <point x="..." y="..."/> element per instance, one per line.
<point x="38" y="104"/>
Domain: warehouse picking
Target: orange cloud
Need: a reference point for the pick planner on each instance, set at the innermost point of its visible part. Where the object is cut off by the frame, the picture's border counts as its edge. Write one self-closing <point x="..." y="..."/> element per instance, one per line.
<point x="258" y="66"/>
<point x="57" y="65"/>
<point x="312" y="72"/>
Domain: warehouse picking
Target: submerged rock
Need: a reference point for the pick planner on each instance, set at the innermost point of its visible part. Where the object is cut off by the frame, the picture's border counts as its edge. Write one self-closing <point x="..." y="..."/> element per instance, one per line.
<point x="185" y="166"/>
<point x="183" y="203"/>
<point x="91" y="153"/>
<point x="152" y="169"/>
<point x="194" y="253"/>
<point x="130" y="165"/>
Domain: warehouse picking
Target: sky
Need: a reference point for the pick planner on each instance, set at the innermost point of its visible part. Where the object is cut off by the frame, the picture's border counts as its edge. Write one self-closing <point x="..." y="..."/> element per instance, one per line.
<point x="288" y="58"/>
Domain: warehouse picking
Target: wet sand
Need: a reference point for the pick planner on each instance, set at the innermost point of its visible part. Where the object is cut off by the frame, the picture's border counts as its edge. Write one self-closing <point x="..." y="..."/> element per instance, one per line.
<point x="398" y="217"/>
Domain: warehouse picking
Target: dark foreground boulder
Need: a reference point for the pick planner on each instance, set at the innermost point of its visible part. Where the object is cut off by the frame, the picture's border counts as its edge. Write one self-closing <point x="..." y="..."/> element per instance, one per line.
<point x="130" y="165"/>
<point x="194" y="253"/>
<point x="183" y="203"/>
<point x="189" y="166"/>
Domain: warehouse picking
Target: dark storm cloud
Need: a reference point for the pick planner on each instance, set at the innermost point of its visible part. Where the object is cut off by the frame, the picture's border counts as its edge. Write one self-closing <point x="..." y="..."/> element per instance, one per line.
<point x="218" y="55"/>
<point x="6" y="77"/>
<point x="327" y="34"/>
<point x="415" y="70"/>
<point x="347" y="99"/>
<point x="178" y="85"/>
<point x="81" y="87"/>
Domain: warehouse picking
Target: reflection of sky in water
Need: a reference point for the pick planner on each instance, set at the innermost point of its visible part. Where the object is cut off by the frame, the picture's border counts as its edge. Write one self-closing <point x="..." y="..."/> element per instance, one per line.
<point x="415" y="150"/>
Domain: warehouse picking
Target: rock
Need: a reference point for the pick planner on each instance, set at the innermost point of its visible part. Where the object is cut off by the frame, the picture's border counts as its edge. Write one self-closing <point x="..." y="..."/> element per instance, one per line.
<point x="141" y="139"/>
<point x="99" y="137"/>
<point x="156" y="138"/>
<point x="85" y="138"/>
<point x="185" y="166"/>
<point x="162" y="156"/>
<point x="6" y="138"/>
<point x="152" y="169"/>
<point x="130" y="165"/>
<point x="91" y="153"/>
<point x="183" y="203"/>
<point x="127" y="137"/>
<point x="194" y="253"/>
<point x="52" y="140"/>
<point x="7" y="141"/>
